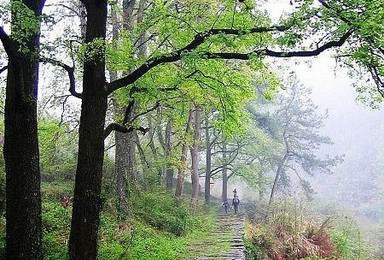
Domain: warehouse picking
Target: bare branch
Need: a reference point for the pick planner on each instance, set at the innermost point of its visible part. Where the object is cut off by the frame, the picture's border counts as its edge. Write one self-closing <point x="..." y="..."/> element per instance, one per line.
<point x="70" y="71"/>
<point x="146" y="112"/>
<point x="66" y="7"/>
<point x="3" y="69"/>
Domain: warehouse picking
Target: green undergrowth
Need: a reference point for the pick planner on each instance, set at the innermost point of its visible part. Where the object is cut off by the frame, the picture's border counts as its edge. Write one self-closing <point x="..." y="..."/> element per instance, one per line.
<point x="286" y="236"/>
<point x="157" y="227"/>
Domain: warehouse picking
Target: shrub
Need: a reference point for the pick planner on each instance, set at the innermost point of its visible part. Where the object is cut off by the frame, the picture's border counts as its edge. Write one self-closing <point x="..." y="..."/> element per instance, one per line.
<point x="2" y="237"/>
<point x="55" y="217"/>
<point x="347" y="239"/>
<point x="56" y="226"/>
<point x="285" y="238"/>
<point x="53" y="248"/>
<point x="161" y="211"/>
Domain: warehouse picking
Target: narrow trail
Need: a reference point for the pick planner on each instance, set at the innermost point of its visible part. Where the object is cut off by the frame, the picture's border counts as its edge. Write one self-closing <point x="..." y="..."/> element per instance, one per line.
<point x="225" y="242"/>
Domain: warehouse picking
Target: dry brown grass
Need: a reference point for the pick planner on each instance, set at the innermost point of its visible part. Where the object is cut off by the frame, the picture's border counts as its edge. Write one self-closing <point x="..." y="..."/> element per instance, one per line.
<point x="284" y="238"/>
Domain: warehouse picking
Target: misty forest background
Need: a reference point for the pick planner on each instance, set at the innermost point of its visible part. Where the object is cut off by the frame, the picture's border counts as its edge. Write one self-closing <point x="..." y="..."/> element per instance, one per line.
<point x="126" y="124"/>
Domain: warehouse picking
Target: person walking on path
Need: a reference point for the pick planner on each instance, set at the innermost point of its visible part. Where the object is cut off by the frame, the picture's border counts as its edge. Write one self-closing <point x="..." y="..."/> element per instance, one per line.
<point x="235" y="203"/>
<point x="225" y="205"/>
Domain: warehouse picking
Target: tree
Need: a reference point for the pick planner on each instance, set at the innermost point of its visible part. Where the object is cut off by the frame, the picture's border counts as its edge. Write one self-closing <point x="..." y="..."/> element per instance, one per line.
<point x="183" y="159"/>
<point x="299" y="125"/>
<point x="195" y="158"/>
<point x="86" y="205"/>
<point x="21" y="151"/>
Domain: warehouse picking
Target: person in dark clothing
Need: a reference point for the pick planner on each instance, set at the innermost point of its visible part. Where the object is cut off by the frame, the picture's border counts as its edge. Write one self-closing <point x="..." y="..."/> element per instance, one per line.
<point x="235" y="203"/>
<point x="225" y="205"/>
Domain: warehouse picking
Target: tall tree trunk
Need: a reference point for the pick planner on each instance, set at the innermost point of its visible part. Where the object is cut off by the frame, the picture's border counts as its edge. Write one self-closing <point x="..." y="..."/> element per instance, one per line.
<point x="21" y="149"/>
<point x="125" y="149"/>
<point x="167" y="153"/>
<point x="277" y="177"/>
<point x="83" y="18"/>
<point x="143" y="160"/>
<point x="195" y="159"/>
<point x="125" y="154"/>
<point x="121" y="169"/>
<point x="121" y="161"/>
<point x="128" y="6"/>
<point x="261" y="191"/>
<point x="130" y="137"/>
<point x="86" y="206"/>
<point x="152" y="146"/>
<point x="183" y="159"/>
<point x="224" y="193"/>
<point x="208" y="164"/>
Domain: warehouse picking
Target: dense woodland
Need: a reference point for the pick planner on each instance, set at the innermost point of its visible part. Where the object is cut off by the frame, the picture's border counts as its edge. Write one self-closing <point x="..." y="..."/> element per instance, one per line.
<point x="119" y="116"/>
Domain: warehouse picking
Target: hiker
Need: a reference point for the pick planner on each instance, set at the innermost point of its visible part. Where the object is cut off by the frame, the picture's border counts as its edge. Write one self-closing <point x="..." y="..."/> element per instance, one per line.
<point x="234" y="193"/>
<point x="225" y="205"/>
<point x="235" y="203"/>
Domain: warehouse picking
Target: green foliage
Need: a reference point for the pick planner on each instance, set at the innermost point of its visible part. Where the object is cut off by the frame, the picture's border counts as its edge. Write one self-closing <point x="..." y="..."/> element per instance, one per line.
<point x="2" y="183"/>
<point x="57" y="151"/>
<point x="56" y="226"/>
<point x="150" y="246"/>
<point x="55" y="217"/>
<point x="53" y="191"/>
<point x="159" y="228"/>
<point x="2" y="237"/>
<point x="161" y="211"/>
<point x="52" y="248"/>
<point x="348" y="240"/>
<point x="25" y="25"/>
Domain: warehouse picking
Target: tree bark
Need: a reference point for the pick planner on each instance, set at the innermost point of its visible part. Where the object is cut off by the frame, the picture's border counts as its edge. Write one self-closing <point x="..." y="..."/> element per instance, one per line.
<point x="224" y="193"/>
<point x="21" y="150"/>
<point x="152" y="146"/>
<point x="183" y="159"/>
<point x="208" y="164"/>
<point x="195" y="160"/>
<point x="86" y="206"/>
<point x="167" y="152"/>
<point x="121" y="161"/>
<point x="121" y="170"/>
<point x="277" y="177"/>
<point x="125" y="154"/>
<point x="128" y="6"/>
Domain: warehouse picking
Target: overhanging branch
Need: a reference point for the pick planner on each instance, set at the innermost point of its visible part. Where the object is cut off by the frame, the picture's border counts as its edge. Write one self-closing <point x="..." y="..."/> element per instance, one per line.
<point x="200" y="38"/>
<point x="122" y="129"/>
<point x="147" y="111"/>
<point x="176" y="55"/>
<point x="280" y="54"/>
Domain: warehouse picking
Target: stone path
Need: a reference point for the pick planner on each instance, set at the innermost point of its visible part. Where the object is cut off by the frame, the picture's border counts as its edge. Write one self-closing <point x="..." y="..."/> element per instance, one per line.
<point x="226" y="241"/>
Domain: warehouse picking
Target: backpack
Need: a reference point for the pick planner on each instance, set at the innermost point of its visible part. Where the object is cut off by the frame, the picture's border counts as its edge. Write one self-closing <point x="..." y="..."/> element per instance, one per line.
<point x="236" y="201"/>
